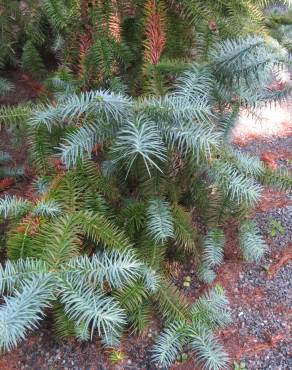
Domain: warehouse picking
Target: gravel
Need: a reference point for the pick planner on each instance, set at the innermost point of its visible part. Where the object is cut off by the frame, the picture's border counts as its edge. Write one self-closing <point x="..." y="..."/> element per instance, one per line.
<point x="267" y="317"/>
<point x="45" y="353"/>
<point x="279" y="289"/>
<point x="42" y="351"/>
<point x="257" y="147"/>
<point x="276" y="226"/>
<point x="284" y="163"/>
<point x="269" y="313"/>
<point x="278" y="358"/>
<point x="259" y="324"/>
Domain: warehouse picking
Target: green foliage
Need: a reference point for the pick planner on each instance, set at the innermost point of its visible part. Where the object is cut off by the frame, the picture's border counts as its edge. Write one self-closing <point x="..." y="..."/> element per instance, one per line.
<point x="213" y="247"/>
<point x="248" y="164"/>
<point x="275" y="227"/>
<point x="22" y="311"/>
<point x="139" y="139"/>
<point x="239" y="366"/>
<point x="8" y="16"/>
<point x="234" y="184"/>
<point x="279" y="178"/>
<point x="92" y="308"/>
<point x="13" y="207"/>
<point x="205" y="274"/>
<point x="5" y="86"/>
<point x="160" y="223"/>
<point x="5" y="157"/>
<point x="280" y="25"/>
<point x="63" y="326"/>
<point x="185" y="234"/>
<point x="251" y="242"/>
<point x="79" y="283"/>
<point x="105" y="42"/>
<point x="208" y="349"/>
<point x="32" y="281"/>
<point x="116" y="357"/>
<point x="14" y="115"/>
<point x="231" y="58"/>
<point x="126" y="185"/>
<point x="171" y="341"/>
<point x="133" y="217"/>
<point x="31" y="61"/>
<point x="41" y="185"/>
<point x="170" y="303"/>
<point x="211" y="309"/>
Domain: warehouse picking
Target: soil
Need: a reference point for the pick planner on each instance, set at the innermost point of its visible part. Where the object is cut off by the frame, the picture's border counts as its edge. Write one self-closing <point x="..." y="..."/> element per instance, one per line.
<point x="260" y="295"/>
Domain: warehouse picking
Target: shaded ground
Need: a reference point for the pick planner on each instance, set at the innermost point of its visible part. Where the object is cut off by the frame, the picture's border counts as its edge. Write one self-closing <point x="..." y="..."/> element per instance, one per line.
<point x="260" y="295"/>
<point x="26" y="89"/>
<point x="21" y="185"/>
